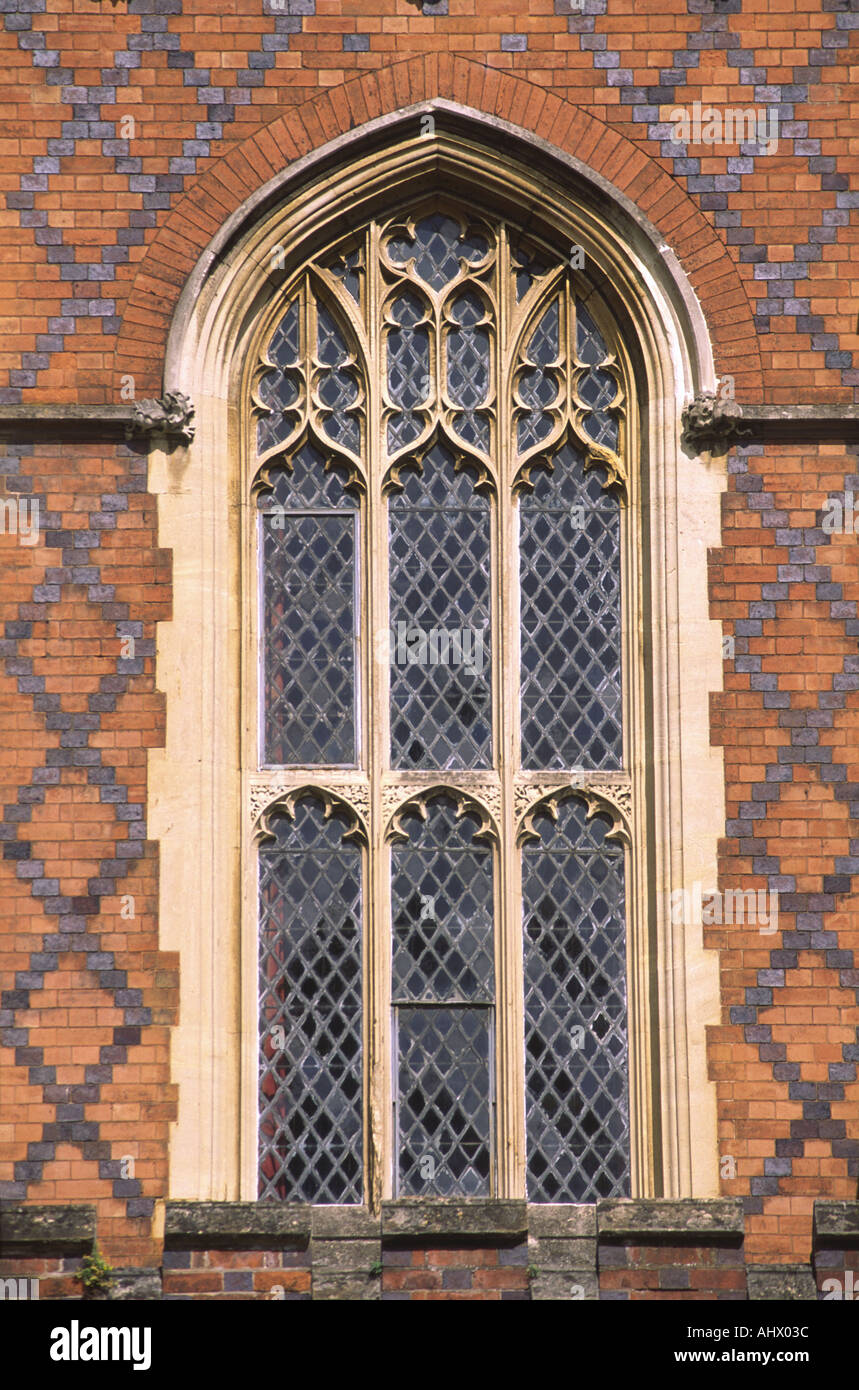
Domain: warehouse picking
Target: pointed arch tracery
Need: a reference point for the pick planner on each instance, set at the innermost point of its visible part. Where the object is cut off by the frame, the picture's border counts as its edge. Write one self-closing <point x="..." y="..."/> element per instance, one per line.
<point x="216" y="339"/>
<point x="416" y="384"/>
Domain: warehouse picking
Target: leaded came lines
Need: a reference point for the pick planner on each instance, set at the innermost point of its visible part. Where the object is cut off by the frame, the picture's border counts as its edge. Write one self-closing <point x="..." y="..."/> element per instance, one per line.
<point x="310" y="961"/>
<point x="576" y="1052"/>
<point x="442" y="380"/>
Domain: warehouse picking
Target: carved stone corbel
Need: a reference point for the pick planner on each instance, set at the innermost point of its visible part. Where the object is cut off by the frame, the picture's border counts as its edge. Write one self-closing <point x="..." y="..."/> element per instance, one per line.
<point x="172" y="415"/>
<point x="712" y="423"/>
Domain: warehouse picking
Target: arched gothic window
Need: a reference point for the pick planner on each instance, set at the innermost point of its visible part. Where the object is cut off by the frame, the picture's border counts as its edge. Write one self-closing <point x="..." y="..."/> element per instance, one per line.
<point x="442" y="498"/>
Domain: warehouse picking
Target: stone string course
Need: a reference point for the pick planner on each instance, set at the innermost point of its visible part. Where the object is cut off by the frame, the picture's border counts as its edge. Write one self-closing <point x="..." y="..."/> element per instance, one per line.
<point x="615" y="1251"/>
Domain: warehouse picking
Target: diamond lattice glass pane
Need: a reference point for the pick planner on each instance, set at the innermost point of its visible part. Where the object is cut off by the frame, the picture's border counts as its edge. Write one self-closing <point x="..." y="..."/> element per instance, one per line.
<point x="348" y="267"/>
<point x="279" y="388"/>
<point x="590" y="343"/>
<point x="537" y="388"/>
<point x="311" y="1087"/>
<point x="442" y="910"/>
<point x="441" y="705"/>
<point x="309" y="631"/>
<point x="408" y="369"/>
<point x="527" y="267"/>
<point x="576" y="1056"/>
<point x="444" y="1109"/>
<point x="438" y="246"/>
<point x="307" y="485"/>
<point x="570" y="619"/>
<point x="337" y="388"/>
<point x="596" y="389"/>
<point x="468" y="368"/>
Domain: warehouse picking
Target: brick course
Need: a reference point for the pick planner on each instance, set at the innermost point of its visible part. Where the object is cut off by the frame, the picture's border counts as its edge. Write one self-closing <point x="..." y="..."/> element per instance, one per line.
<point x="236" y="1274"/>
<point x="102" y="219"/>
<point x="455" y="1274"/>
<point x="695" y="1272"/>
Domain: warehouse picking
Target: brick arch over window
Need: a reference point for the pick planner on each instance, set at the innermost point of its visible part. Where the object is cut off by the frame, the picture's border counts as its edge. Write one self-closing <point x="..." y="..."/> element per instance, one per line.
<point x="212" y="305"/>
<point x="259" y="169"/>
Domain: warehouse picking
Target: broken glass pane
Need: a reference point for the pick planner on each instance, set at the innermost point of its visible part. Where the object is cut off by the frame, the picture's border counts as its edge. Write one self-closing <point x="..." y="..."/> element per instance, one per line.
<point x="528" y="267"/>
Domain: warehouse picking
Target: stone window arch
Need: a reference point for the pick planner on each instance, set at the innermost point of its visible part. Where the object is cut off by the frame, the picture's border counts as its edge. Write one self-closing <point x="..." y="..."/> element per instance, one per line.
<point x="556" y="351"/>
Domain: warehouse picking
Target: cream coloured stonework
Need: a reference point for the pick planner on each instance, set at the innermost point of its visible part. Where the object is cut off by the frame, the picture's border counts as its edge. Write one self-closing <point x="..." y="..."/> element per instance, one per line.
<point x="207" y="787"/>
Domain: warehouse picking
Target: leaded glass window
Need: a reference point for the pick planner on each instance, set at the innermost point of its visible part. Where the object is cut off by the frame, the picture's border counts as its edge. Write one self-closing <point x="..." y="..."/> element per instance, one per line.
<point x="443" y="993"/>
<point x="441" y="712"/>
<point x="310" y="964"/>
<point x="309" y="552"/>
<point x="576" y="1107"/>
<point x="569" y="548"/>
<point x="440" y="477"/>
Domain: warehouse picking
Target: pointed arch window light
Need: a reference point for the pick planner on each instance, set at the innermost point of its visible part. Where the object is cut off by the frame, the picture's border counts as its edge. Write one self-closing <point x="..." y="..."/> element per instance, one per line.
<point x="440" y="778"/>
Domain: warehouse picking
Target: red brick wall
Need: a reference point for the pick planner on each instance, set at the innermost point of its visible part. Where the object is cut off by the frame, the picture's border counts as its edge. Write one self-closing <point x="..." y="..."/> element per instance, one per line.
<point x="236" y="1274"/>
<point x="706" y="1272"/>
<point x="837" y="1275"/>
<point x="55" y="1276"/>
<point x="98" y="238"/>
<point x="490" y="1274"/>
<point x="89" y="998"/>
<point x="785" y="1058"/>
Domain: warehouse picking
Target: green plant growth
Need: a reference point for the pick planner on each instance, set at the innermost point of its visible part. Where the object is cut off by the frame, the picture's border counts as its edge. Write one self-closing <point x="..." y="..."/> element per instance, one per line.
<point x="95" y="1273"/>
<point x="376" y="1270"/>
